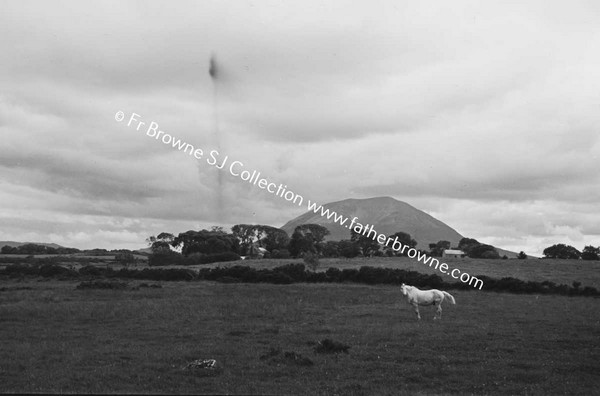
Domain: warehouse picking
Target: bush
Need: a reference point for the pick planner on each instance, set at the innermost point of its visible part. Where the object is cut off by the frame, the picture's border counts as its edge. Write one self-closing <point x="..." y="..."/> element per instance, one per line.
<point x="334" y="274"/>
<point x="52" y="270"/>
<point x="165" y="257"/>
<point x="589" y="291"/>
<point x="93" y="271"/>
<point x="211" y="258"/>
<point x="349" y="275"/>
<point x="296" y="272"/>
<point x="371" y="276"/>
<point x="316" y="277"/>
<point x="15" y="270"/>
<point x="311" y="260"/>
<point x="244" y="274"/>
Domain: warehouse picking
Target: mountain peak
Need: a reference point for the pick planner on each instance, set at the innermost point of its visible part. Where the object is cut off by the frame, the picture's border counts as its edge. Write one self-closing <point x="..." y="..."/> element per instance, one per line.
<point x="387" y="215"/>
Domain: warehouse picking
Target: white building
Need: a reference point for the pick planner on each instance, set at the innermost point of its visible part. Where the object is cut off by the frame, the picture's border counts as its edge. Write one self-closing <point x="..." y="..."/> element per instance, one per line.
<point x="453" y="253"/>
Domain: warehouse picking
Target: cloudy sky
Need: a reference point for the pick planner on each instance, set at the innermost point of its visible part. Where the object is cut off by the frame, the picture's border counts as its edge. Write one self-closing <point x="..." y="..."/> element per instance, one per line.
<point x="486" y="115"/>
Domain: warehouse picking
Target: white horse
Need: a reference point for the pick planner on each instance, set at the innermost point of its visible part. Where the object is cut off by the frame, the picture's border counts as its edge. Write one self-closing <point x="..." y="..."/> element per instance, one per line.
<point x="416" y="297"/>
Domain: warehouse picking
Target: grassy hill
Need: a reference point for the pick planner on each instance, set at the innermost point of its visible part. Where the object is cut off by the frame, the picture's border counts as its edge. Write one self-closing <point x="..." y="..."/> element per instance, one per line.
<point x="17" y="244"/>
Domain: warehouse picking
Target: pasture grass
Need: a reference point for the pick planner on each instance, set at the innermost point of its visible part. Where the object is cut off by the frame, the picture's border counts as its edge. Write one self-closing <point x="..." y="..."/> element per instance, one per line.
<point x="59" y="339"/>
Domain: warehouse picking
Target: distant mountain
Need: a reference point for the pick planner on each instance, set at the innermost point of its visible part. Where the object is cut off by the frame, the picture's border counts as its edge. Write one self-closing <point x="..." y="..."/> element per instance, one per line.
<point x="387" y="215"/>
<point x="17" y="244"/>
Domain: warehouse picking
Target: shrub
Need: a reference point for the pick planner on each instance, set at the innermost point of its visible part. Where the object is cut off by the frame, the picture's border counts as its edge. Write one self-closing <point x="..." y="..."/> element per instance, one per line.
<point x="52" y="270"/>
<point x="334" y="275"/>
<point x="92" y="271"/>
<point x="316" y="277"/>
<point x="311" y="260"/>
<point x="370" y="275"/>
<point x="349" y="275"/>
<point x="295" y="271"/>
<point x="589" y="291"/>
<point x="244" y="274"/>
<point x="215" y="258"/>
<point x="15" y="270"/>
<point x="165" y="257"/>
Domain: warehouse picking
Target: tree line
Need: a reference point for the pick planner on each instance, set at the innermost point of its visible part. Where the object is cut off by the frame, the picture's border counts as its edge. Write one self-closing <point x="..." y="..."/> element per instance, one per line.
<point x="256" y="240"/>
<point x="32" y="248"/>
<point x="562" y="251"/>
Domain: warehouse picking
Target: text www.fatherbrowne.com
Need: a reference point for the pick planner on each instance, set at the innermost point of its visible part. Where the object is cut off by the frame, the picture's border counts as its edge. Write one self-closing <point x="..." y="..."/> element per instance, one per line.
<point x="236" y="169"/>
<point x="369" y="231"/>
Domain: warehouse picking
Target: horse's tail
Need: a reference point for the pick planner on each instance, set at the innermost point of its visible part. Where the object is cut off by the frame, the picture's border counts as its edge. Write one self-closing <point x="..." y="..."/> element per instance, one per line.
<point x="452" y="300"/>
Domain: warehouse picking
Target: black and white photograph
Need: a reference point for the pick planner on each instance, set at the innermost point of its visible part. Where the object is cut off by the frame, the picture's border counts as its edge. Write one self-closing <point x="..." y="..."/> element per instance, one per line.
<point x="267" y="197"/>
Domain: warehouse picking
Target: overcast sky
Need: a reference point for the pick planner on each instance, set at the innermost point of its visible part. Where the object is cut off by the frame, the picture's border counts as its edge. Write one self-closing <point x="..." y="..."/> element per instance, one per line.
<point x="485" y="115"/>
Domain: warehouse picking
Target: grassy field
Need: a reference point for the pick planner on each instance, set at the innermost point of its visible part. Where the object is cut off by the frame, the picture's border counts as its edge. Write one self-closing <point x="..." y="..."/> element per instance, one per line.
<point x="59" y="339"/>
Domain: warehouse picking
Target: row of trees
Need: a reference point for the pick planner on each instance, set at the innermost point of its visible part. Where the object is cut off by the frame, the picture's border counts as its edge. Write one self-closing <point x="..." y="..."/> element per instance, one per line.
<point x="562" y="251"/>
<point x="32" y="249"/>
<point x="474" y="249"/>
<point x="307" y="239"/>
<point x="245" y="239"/>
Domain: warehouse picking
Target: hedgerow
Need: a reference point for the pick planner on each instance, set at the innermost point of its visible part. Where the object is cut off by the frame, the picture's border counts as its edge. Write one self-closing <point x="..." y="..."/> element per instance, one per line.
<point x="296" y="273"/>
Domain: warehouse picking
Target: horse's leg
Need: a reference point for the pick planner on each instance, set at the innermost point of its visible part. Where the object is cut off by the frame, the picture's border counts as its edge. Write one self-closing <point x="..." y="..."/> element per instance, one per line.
<point x="439" y="311"/>
<point x="416" y="306"/>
